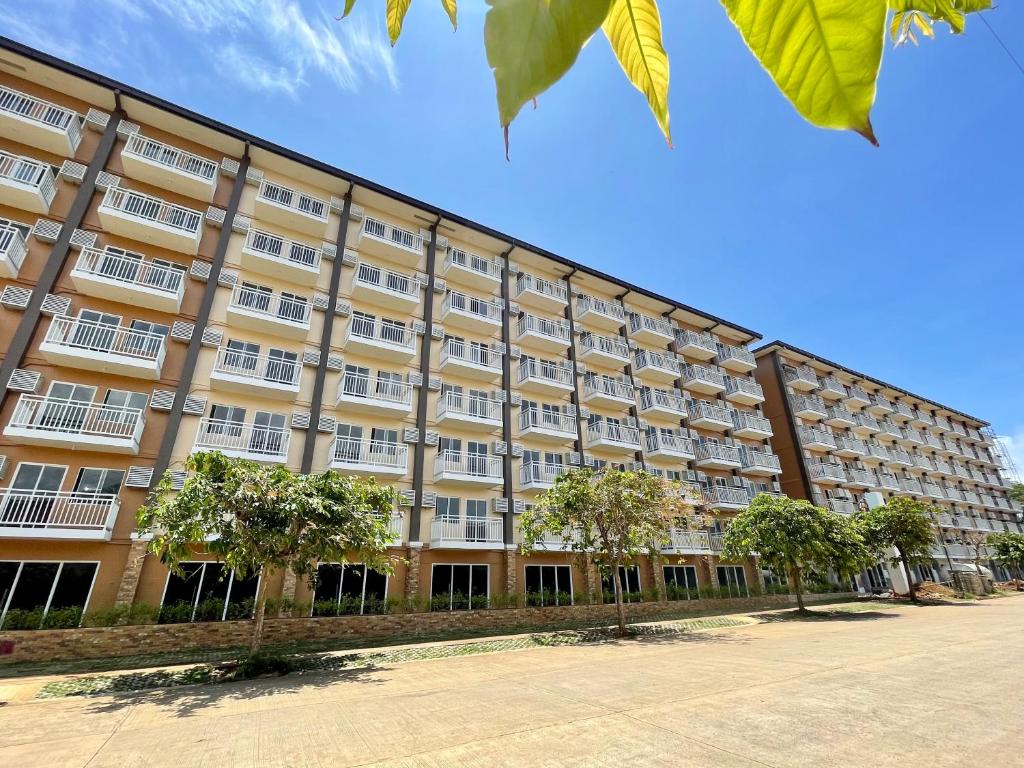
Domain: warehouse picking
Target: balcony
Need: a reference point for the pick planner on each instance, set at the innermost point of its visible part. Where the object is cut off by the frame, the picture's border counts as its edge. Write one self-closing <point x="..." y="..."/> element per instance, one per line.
<point x="541" y="333"/>
<point x="537" y="476"/>
<point x="700" y="346"/>
<point x="888" y="481"/>
<point x="949" y="447"/>
<point x="467" y="268"/>
<point x="842" y="506"/>
<point x="262" y="375"/>
<point x="470" y="360"/>
<point x="743" y="391"/>
<point x="960" y="471"/>
<point x="682" y="542"/>
<point x="861" y="478"/>
<point x="850" y="447"/>
<point x="802" y="379"/>
<point x="613" y="351"/>
<point x="933" y="490"/>
<point x="838" y="416"/>
<point x="890" y="431"/>
<point x="723" y="498"/>
<point x="129" y="279"/>
<point x="467" y="533"/>
<point x="386" y="288"/>
<point x="661" y="403"/>
<point x="759" y="462"/>
<point x="971" y="498"/>
<point x="739" y="359"/>
<point x="379" y="339"/>
<point x="699" y="378"/>
<point x="933" y="441"/>
<point x="958" y="429"/>
<point x="611" y="436"/>
<point x="274" y="313"/>
<point x="831" y="388"/>
<point x="13" y="248"/>
<point x="162" y="165"/>
<point x="865" y="425"/>
<point x="746" y="424"/>
<point x="880" y="406"/>
<point x="538" y="293"/>
<point x="470" y="313"/>
<point x="549" y="426"/>
<point x="809" y="407"/>
<point x="33" y="514"/>
<point x="243" y="440"/>
<point x="387" y="241"/>
<point x="816" y="439"/>
<point x="545" y="376"/>
<point x="942" y="425"/>
<point x="827" y="473"/>
<point x="455" y="467"/>
<point x="903" y="412"/>
<point x="707" y="416"/>
<point x="717" y="456"/>
<point x="911" y="485"/>
<point x="877" y="452"/>
<point x="357" y="392"/>
<point x="910" y="437"/>
<point x="468" y="411"/>
<point x="655" y="366"/>
<point x="607" y="391"/>
<point x="40" y="420"/>
<point x="38" y="123"/>
<point x="292" y="209"/>
<point x="922" y="420"/>
<point x="598" y="313"/>
<point x="856" y="397"/>
<point x="923" y="462"/>
<point x="89" y="345"/>
<point x="668" y="445"/>
<point x="151" y="220"/>
<point x="282" y="258"/>
<point x="26" y="183"/>
<point x="942" y="467"/>
<point x="650" y="330"/>
<point x="369" y="457"/>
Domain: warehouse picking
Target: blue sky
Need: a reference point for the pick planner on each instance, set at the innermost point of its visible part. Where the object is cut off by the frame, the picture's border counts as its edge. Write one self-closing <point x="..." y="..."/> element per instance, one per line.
<point x="903" y="261"/>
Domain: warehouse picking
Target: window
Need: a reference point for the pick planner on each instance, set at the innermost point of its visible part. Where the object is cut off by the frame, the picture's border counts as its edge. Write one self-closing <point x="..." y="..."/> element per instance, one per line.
<point x="148" y="338"/>
<point x="447" y="506"/>
<point x="476" y="520"/>
<point x="392" y="330"/>
<point x="267" y="433"/>
<point x="348" y="443"/>
<point x="732" y="580"/>
<point x="548" y="585"/>
<point x="292" y="307"/>
<point x="363" y="324"/>
<point x="24" y="229"/>
<point x="254" y="297"/>
<point x="343" y="590"/>
<point x="207" y="592"/>
<point x="476" y="458"/>
<point x="32" y="593"/>
<point x="96" y="480"/>
<point x="629" y="578"/>
<point x="241" y="356"/>
<point x="680" y="582"/>
<point x="96" y="331"/>
<point x="281" y="366"/>
<point x="389" y="385"/>
<point x="878" y="577"/>
<point x="356" y="381"/>
<point x="459" y="587"/>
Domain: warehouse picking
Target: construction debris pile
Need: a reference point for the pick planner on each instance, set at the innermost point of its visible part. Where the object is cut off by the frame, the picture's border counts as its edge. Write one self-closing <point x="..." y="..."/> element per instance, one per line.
<point x="930" y="590"/>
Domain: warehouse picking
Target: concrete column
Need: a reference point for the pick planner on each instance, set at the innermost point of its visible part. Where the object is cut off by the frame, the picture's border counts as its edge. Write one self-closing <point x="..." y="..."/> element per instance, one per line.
<point x="412" y="573"/>
<point x="511" y="570"/>
<point x="132" y="571"/>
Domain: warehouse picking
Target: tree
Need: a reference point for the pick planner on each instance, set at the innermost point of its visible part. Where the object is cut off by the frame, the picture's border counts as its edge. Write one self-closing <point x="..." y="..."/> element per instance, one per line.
<point x="975" y="540"/>
<point x="903" y="524"/>
<point x="793" y="536"/>
<point x="1009" y="550"/>
<point x="254" y="517"/>
<point x="613" y="517"/>
<point x="824" y="55"/>
<point x="1016" y="492"/>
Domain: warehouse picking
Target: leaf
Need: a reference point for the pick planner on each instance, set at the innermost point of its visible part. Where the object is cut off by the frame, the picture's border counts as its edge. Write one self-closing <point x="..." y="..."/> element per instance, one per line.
<point x="953" y="12"/>
<point x="824" y="55"/>
<point x="349" y="4"/>
<point x="633" y="27"/>
<point x="452" y="10"/>
<point x="394" y="14"/>
<point x="532" y="43"/>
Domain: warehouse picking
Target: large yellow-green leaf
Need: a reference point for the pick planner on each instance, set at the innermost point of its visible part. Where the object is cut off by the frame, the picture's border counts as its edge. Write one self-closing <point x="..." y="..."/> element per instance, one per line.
<point x="823" y="54"/>
<point x="349" y="4"/>
<point x="394" y="14"/>
<point x="532" y="43"/>
<point x="633" y="27"/>
<point x="953" y="12"/>
<point x="450" y="7"/>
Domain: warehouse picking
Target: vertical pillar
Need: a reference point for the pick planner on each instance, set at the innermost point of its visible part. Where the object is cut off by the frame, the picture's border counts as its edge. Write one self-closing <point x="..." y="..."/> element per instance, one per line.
<point x="658" y="577"/>
<point x="511" y="570"/>
<point x="412" y="572"/>
<point x="506" y="409"/>
<point x="132" y="571"/>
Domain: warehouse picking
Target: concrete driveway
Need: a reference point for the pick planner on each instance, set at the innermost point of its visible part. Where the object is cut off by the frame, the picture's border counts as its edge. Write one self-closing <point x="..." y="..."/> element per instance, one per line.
<point x="935" y="686"/>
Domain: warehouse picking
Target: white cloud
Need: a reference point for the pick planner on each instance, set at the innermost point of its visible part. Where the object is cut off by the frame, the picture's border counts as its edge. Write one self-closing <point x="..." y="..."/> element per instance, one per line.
<point x="255" y="73"/>
<point x="1013" y="447"/>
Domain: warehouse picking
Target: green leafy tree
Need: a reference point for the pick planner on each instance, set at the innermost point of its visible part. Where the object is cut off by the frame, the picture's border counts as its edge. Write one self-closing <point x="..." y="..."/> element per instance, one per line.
<point x="255" y="518"/>
<point x="793" y="536"/>
<point x="824" y="55"/>
<point x="1009" y="550"/>
<point x="612" y="517"/>
<point x="905" y="525"/>
<point x="1017" y="492"/>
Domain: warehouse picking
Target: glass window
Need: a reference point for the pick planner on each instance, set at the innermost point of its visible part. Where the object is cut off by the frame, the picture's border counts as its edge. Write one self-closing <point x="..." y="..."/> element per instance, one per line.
<point x="348" y="589"/>
<point x="459" y="587"/>
<point x="732" y="579"/>
<point x="549" y="585"/>
<point x="680" y="582"/>
<point x="207" y="591"/>
<point x="44" y="594"/>
<point x="99" y="480"/>
<point x="447" y="506"/>
<point x="629" y="577"/>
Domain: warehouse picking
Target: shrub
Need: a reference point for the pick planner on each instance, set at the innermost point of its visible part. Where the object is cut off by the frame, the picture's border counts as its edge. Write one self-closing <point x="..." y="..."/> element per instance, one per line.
<point x="63" y="618"/>
<point x="120" y="615"/>
<point x="260" y="664"/>
<point x="178" y="613"/>
<point x="21" y="618"/>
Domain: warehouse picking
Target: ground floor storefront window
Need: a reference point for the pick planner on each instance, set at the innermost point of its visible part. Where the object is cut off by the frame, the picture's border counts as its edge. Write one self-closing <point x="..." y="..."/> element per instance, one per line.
<point x="732" y="580"/>
<point x="207" y="592"/>
<point x="548" y="585"/>
<point x="459" y="587"/>
<point x="36" y="594"/>
<point x="629" y="578"/>
<point x="350" y="589"/>
<point x="680" y="582"/>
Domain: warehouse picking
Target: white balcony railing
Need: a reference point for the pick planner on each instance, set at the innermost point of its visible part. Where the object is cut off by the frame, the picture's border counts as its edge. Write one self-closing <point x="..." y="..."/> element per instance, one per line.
<point x="384" y="391"/>
<point x="388" y="280"/>
<point x="638" y="323"/>
<point x="531" y="283"/>
<point x="89" y="337"/>
<point x="735" y="386"/>
<point x="173" y="158"/>
<point x="803" y="375"/>
<point x="536" y="418"/>
<point x="454" y="463"/>
<point x="135" y="273"/>
<point x="828" y="471"/>
<point x="258" y="368"/>
<point x="556" y="330"/>
<point x="736" y="356"/>
<point x="541" y="474"/>
<point x="477" y="408"/>
<point x="612" y="347"/>
<point x="669" y="442"/>
<point x="660" y="399"/>
<point x="246" y="440"/>
<point x="483" y="309"/>
<point x="45" y="114"/>
<point x="12" y="247"/>
<point x="27" y="173"/>
<point x="293" y="200"/>
<point x="694" y="375"/>
<point x="599" y="385"/>
<point x="348" y="452"/>
<point x="281" y="249"/>
<point x="689" y="341"/>
<point x="645" y="359"/>
<point x="456" y="350"/>
<point x="751" y="422"/>
<point x="481" y="265"/>
<point x="43" y="416"/>
<point x="760" y="460"/>
<point x="809" y="436"/>
<point x="271" y="306"/>
<point x="375" y="330"/>
<point x="723" y="495"/>
<point x="697" y="411"/>
<point x="153" y="210"/>
<point x="466" y="530"/>
<point x="614" y="433"/>
<point x="590" y="304"/>
<point x="65" y="514"/>
<point x="392" y="235"/>
<point x="687" y="541"/>
<point x="718" y="453"/>
<point x="556" y="373"/>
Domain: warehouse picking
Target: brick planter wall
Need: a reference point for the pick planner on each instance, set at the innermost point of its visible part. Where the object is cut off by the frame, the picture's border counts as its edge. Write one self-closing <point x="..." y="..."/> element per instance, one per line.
<point x="94" y="643"/>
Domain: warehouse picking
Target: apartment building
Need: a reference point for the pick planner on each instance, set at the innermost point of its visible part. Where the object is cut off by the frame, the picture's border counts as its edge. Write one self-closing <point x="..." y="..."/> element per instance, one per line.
<point x="171" y="284"/>
<point x="841" y="435"/>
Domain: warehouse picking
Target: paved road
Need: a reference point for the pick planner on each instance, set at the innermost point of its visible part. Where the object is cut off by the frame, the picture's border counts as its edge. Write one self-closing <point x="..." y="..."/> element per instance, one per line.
<point x="936" y="686"/>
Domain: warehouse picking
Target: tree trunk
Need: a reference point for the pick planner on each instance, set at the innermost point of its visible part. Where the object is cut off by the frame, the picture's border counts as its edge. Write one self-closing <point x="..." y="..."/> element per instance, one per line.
<point x="798" y="587"/>
<point x="910" y="579"/>
<point x="620" y="608"/>
<point x="259" y="613"/>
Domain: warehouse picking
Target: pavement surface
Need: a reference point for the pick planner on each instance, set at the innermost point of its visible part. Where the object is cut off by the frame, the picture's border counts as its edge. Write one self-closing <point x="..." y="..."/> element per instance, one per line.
<point x="931" y="686"/>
